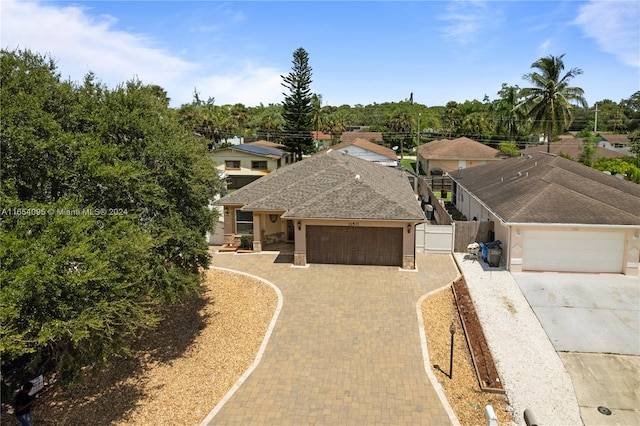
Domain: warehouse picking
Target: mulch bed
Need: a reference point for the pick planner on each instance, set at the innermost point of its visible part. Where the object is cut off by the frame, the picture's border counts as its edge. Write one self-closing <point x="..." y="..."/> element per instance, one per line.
<point x="487" y="373"/>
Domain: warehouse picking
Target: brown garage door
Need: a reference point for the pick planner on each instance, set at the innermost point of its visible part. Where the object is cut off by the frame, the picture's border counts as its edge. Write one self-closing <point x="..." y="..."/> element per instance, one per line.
<point x="354" y="245"/>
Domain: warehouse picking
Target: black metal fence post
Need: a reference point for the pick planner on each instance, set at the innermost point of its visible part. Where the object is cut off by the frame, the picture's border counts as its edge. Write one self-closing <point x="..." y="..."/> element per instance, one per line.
<point x="452" y="329"/>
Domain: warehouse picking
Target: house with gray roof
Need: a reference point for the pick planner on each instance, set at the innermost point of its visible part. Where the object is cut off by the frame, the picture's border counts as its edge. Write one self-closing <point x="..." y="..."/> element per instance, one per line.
<point x="554" y="214"/>
<point x="334" y="208"/>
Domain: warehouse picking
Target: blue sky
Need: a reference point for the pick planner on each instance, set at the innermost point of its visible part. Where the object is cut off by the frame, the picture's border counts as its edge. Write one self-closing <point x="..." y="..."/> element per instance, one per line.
<point x="361" y="52"/>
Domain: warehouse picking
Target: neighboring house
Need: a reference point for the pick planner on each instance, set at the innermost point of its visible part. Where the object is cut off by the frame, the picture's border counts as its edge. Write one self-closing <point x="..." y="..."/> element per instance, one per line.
<point x="447" y="155"/>
<point x="335" y="208"/>
<point x="245" y="163"/>
<point x="618" y="143"/>
<point x="572" y="147"/>
<point x="554" y="214"/>
<point x="375" y="137"/>
<point x="321" y="140"/>
<point x="369" y="151"/>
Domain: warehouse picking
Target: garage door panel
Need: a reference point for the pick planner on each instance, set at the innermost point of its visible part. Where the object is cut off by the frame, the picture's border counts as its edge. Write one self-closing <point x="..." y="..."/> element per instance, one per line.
<point x="573" y="251"/>
<point x="354" y="245"/>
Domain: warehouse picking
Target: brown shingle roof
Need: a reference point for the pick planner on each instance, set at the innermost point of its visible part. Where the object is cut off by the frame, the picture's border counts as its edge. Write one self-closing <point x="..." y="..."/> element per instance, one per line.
<point x="623" y="139"/>
<point x="369" y="146"/>
<point x="457" y="149"/>
<point x="541" y="188"/>
<point x="573" y="148"/>
<point x="349" y="136"/>
<point x="332" y="185"/>
<point x="269" y="144"/>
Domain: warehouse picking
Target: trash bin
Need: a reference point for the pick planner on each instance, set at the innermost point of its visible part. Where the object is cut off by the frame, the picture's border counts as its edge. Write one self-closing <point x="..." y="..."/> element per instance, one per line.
<point x="485" y="250"/>
<point x="493" y="257"/>
<point x="429" y="210"/>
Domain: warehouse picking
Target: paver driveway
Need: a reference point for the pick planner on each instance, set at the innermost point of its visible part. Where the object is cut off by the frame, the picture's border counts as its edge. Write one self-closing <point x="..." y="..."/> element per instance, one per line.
<point x="345" y="349"/>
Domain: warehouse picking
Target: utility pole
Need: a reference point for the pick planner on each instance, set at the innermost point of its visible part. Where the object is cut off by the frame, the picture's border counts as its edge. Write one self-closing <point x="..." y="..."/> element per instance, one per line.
<point x="418" y="140"/>
<point x="595" y="125"/>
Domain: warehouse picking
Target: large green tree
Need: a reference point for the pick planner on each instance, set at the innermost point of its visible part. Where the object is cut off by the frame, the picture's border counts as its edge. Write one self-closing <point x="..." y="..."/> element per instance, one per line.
<point x="104" y="202"/>
<point x="297" y="109"/>
<point x="548" y="102"/>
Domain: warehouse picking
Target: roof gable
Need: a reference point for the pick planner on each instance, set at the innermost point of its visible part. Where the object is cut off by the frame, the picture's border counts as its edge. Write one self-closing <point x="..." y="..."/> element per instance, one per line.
<point x="460" y="148"/>
<point x="542" y="188"/>
<point x="332" y="185"/>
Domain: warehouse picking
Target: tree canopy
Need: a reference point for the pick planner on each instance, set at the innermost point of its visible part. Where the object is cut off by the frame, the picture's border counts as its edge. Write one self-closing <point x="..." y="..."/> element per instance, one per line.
<point x="104" y="199"/>
<point x="548" y="102"/>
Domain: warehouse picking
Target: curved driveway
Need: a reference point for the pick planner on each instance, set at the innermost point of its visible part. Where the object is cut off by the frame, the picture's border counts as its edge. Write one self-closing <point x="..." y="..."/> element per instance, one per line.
<point x="345" y="348"/>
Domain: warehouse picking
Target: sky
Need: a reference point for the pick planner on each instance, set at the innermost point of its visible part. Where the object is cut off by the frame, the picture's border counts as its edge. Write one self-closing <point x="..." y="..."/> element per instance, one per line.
<point x="361" y="52"/>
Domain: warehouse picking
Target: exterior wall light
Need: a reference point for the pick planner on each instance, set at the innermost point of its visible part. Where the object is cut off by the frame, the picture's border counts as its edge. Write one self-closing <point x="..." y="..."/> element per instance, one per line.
<point x="408" y="228"/>
<point x="299" y="226"/>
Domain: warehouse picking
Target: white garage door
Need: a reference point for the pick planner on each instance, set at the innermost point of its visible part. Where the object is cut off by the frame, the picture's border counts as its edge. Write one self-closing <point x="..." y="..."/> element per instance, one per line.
<point x="573" y="251"/>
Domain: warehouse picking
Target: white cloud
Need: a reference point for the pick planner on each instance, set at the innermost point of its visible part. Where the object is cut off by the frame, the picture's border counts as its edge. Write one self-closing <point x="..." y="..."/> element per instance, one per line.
<point x="615" y="27"/>
<point x="248" y="85"/>
<point x="81" y="43"/>
<point x="465" y="19"/>
<point x="543" y="48"/>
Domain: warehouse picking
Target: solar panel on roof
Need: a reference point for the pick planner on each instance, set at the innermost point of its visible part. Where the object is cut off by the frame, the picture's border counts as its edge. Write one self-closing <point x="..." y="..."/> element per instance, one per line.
<point x="258" y="150"/>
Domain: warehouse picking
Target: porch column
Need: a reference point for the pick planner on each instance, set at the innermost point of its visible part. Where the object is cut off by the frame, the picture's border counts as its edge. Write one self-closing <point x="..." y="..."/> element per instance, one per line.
<point x="257" y="232"/>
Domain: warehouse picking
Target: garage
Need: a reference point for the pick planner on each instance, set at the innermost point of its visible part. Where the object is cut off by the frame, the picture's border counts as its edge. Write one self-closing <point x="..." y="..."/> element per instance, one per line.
<point x="354" y="245"/>
<point x="573" y="251"/>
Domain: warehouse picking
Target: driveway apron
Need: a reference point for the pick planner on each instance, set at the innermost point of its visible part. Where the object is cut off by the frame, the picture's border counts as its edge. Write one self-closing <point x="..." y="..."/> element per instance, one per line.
<point x="345" y="348"/>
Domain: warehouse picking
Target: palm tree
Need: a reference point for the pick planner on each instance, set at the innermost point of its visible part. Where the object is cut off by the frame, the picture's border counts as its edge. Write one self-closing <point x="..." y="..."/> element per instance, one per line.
<point x="548" y="103"/>
<point x="508" y="116"/>
<point x="401" y="124"/>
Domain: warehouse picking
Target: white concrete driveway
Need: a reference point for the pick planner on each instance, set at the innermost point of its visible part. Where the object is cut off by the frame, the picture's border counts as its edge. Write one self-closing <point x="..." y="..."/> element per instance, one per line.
<point x="597" y="313"/>
<point x="593" y="321"/>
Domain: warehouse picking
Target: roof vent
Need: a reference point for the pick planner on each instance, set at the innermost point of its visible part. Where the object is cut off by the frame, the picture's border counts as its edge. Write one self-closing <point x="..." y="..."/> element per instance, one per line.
<point x="519" y="174"/>
<point x="357" y="177"/>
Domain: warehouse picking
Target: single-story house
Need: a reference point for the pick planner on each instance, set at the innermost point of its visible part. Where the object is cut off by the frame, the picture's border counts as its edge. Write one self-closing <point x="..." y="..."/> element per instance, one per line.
<point x="245" y="163"/>
<point x="616" y="142"/>
<point x="334" y="207"/>
<point x="572" y="147"/>
<point x="375" y="137"/>
<point x="554" y="214"/>
<point x="447" y="155"/>
<point x="369" y="151"/>
<point x="322" y="140"/>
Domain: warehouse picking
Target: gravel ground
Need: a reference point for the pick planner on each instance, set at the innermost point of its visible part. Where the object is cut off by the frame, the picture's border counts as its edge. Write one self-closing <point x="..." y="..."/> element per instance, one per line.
<point x="461" y="390"/>
<point x="179" y="371"/>
<point x="532" y="373"/>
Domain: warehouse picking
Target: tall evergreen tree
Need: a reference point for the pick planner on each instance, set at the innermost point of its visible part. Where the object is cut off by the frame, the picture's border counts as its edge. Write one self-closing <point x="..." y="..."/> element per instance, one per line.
<point x="297" y="106"/>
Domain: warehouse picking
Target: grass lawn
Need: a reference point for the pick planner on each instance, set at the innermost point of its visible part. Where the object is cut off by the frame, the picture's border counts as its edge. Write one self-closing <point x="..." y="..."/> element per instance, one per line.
<point x="409" y="164"/>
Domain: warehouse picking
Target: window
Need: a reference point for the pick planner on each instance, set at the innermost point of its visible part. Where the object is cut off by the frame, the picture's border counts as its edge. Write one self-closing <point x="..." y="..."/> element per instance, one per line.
<point x="244" y="223"/>
<point x="259" y="165"/>
<point x="232" y="164"/>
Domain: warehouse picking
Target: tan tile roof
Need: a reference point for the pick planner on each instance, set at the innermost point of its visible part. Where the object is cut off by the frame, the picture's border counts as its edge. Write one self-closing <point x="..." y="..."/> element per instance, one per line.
<point x="349" y="136"/>
<point x="369" y="146"/>
<point x="332" y="185"/>
<point x="457" y="149"/>
<point x="542" y="188"/>
<point x="571" y="147"/>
